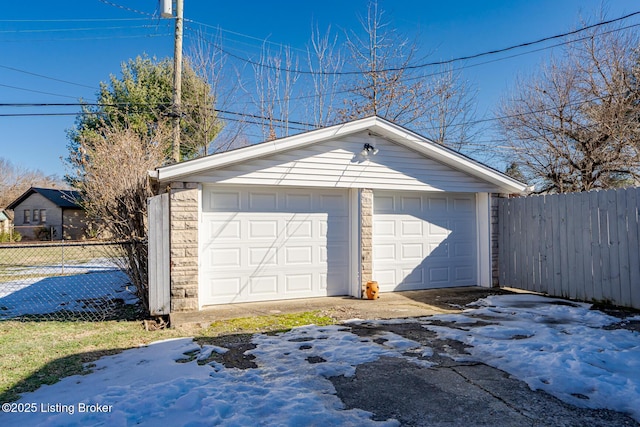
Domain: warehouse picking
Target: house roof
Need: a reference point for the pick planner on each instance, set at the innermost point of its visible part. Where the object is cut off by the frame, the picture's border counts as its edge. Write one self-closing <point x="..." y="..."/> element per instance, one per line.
<point x="3" y="216"/>
<point x="66" y="199"/>
<point x="374" y="124"/>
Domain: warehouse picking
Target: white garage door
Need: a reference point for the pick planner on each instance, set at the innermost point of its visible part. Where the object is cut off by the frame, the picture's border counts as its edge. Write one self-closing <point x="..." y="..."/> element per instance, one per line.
<point x="424" y="240"/>
<point x="273" y="243"/>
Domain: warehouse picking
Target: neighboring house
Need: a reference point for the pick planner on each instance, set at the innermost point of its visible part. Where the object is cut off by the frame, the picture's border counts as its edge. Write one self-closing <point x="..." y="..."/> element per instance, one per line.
<point x="5" y="222"/>
<point x="320" y="214"/>
<point x="52" y="209"/>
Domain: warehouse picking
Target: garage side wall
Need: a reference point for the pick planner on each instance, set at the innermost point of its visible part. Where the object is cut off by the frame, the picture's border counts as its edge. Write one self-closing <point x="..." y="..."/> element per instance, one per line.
<point x="184" y="246"/>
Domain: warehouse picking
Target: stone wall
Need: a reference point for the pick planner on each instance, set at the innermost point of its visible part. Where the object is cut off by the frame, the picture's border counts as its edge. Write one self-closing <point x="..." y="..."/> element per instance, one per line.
<point x="366" y="236"/>
<point x="183" y="208"/>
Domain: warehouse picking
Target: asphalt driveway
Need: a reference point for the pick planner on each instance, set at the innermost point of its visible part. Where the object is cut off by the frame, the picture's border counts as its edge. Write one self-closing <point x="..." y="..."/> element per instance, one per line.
<point x="450" y="386"/>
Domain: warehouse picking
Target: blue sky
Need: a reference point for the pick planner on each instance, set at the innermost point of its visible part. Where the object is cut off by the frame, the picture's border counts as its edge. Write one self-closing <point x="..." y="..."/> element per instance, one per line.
<point x="58" y="52"/>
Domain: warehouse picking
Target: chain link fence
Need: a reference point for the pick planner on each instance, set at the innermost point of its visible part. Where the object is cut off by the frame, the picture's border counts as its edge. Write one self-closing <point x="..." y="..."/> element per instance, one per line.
<point x="65" y="281"/>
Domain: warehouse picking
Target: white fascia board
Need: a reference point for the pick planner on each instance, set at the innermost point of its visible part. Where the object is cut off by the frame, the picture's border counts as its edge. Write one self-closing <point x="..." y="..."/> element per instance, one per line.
<point x="448" y="157"/>
<point x="176" y="171"/>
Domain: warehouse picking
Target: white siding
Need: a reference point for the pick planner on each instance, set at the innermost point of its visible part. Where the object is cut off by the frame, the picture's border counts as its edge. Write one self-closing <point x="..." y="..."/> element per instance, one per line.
<point x="339" y="164"/>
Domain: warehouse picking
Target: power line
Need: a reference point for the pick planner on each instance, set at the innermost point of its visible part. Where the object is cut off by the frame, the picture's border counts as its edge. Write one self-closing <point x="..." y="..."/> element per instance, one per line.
<point x="222" y="30"/>
<point x="37" y="91"/>
<point x="199" y="36"/>
<point x="255" y="116"/>
<point x="73" y="39"/>
<point x="436" y="63"/>
<point x="128" y="9"/>
<point x="74" y="20"/>
<point x="46" y="77"/>
<point x="60" y="30"/>
<point x="338" y="73"/>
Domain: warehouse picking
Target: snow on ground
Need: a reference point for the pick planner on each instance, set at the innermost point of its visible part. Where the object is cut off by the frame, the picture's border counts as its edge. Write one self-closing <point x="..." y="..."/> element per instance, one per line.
<point x="555" y="347"/>
<point x="97" y="280"/>
<point x="560" y="348"/>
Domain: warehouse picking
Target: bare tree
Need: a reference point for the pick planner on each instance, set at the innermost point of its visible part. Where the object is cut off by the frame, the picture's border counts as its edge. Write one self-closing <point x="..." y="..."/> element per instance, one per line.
<point x="450" y="113"/>
<point x="325" y="61"/>
<point x="381" y="56"/>
<point x="575" y="125"/>
<point x="439" y="105"/>
<point x="209" y="62"/>
<point x="117" y="201"/>
<point x="15" y="180"/>
<point x="275" y="77"/>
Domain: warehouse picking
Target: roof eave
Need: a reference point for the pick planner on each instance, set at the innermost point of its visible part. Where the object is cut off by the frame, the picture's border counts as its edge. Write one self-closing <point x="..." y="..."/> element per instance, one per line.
<point x="374" y="124"/>
<point x="449" y="157"/>
<point x="176" y="171"/>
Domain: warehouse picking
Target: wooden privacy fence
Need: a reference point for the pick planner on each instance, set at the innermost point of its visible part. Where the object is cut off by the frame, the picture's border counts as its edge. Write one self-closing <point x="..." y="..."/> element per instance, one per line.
<point x="584" y="246"/>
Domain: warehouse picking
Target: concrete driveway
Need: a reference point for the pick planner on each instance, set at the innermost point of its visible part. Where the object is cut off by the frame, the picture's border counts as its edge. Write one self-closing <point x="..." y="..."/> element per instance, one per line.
<point x="391" y="305"/>
<point x="449" y="392"/>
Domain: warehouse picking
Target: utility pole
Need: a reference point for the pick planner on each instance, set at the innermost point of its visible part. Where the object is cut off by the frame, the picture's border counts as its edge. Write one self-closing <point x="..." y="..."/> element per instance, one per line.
<point x="177" y="80"/>
<point x="177" y="70"/>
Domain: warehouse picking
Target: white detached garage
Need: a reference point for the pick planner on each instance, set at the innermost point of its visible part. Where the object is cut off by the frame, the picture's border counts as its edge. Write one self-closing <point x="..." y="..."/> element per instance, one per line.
<point x="320" y="214"/>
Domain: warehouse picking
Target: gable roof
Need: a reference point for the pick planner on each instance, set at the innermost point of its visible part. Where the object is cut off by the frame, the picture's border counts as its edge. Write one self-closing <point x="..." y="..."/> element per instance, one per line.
<point x="374" y="124"/>
<point x="66" y="199"/>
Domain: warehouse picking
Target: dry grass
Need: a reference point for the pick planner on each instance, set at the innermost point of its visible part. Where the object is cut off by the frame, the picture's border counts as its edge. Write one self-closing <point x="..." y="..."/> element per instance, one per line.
<point x="37" y="353"/>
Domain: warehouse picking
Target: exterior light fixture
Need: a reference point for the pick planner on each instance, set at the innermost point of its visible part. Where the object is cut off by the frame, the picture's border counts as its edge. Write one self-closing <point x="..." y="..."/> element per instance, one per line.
<point x="369" y="149"/>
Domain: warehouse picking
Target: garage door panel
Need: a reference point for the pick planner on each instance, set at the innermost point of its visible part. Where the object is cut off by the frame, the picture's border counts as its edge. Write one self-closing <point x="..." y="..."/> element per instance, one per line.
<point x="385" y="252"/>
<point x="462" y="227"/>
<point x="224" y="287"/>
<point x="262" y="229"/>
<point x="258" y="256"/>
<point x="411" y="228"/>
<point x="439" y="275"/>
<point x="411" y="204"/>
<point x="384" y="228"/>
<point x="437" y="204"/>
<point x="268" y="201"/>
<point x="263" y="285"/>
<point x="223" y="201"/>
<point x="230" y="229"/>
<point x="412" y="276"/>
<point x="297" y="203"/>
<point x="438" y="250"/>
<point x="412" y="251"/>
<point x="442" y="229"/>
<point x="463" y="250"/>
<point x="463" y="274"/>
<point x="281" y="243"/>
<point x="337" y="229"/>
<point x="433" y="237"/>
<point x="385" y="204"/>
<point x="333" y="203"/>
<point x="296" y="255"/>
<point x="299" y="282"/>
<point x="221" y="258"/>
<point x="299" y="229"/>
<point x="463" y="205"/>
<point x="386" y="279"/>
<point x="336" y="254"/>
